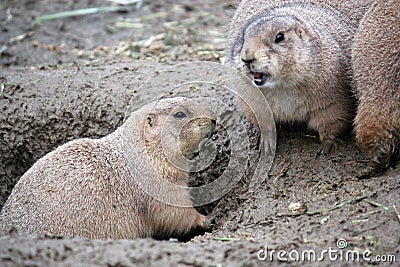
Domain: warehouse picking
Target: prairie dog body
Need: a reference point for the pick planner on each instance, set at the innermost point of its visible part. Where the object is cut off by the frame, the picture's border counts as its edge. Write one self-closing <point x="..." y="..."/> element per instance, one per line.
<point x="94" y="188"/>
<point x="376" y="67"/>
<point x="364" y="31"/>
<point x="299" y="54"/>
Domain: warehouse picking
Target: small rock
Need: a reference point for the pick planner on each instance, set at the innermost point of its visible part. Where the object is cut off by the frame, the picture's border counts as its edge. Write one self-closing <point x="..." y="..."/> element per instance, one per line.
<point x="297" y="208"/>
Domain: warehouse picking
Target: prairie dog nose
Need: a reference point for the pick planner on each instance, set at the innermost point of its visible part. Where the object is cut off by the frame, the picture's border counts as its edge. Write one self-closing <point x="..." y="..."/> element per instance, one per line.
<point x="248" y="61"/>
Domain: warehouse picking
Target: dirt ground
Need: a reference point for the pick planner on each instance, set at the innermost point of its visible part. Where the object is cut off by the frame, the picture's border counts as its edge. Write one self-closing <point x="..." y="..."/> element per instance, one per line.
<point x="74" y="77"/>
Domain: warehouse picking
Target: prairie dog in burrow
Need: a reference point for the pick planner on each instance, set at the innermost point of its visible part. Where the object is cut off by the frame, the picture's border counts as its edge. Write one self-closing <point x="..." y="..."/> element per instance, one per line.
<point x="90" y="187"/>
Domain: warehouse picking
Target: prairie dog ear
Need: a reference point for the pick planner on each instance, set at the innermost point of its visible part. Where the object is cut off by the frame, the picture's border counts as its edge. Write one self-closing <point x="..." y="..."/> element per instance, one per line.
<point x="301" y="32"/>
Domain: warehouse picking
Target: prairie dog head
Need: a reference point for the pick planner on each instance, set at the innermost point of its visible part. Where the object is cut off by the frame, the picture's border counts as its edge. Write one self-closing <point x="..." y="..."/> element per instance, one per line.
<point x="174" y="128"/>
<point x="276" y="51"/>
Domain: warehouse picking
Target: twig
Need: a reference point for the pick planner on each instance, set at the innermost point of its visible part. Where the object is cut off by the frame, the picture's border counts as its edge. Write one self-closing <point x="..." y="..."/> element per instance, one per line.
<point x="81" y="12"/>
<point x="397" y="212"/>
<point x="125" y="2"/>
<point x="226" y="239"/>
<point x="376" y="204"/>
<point x="350" y="201"/>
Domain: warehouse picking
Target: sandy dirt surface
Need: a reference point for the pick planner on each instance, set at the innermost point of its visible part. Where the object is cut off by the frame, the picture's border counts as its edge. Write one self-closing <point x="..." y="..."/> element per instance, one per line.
<point x="75" y="77"/>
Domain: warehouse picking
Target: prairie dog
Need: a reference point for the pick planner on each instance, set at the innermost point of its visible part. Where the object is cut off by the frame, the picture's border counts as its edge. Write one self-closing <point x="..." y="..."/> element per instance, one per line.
<point x="376" y="67"/>
<point x="299" y="54"/>
<point x="94" y="187"/>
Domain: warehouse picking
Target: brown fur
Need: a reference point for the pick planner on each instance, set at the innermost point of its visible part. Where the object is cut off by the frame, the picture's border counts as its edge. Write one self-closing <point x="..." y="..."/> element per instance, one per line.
<point x="376" y="66"/>
<point x="94" y="188"/>
<point x="309" y="73"/>
<point x="247" y="10"/>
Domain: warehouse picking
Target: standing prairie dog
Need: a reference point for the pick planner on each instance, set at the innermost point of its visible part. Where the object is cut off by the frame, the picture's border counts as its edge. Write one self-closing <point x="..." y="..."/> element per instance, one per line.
<point x="299" y="54"/>
<point x="94" y="188"/>
<point x="372" y="41"/>
<point x="376" y="67"/>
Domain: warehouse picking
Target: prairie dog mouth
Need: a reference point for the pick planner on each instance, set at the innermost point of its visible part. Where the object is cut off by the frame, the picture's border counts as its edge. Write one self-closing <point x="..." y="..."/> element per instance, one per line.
<point x="260" y="78"/>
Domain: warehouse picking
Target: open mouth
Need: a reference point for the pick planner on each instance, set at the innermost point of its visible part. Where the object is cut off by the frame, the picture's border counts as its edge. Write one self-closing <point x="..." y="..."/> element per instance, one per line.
<point x="260" y="78"/>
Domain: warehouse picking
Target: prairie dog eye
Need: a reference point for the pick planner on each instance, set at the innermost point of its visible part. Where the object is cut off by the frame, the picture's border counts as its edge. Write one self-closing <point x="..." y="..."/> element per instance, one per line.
<point x="279" y="37"/>
<point x="179" y="115"/>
